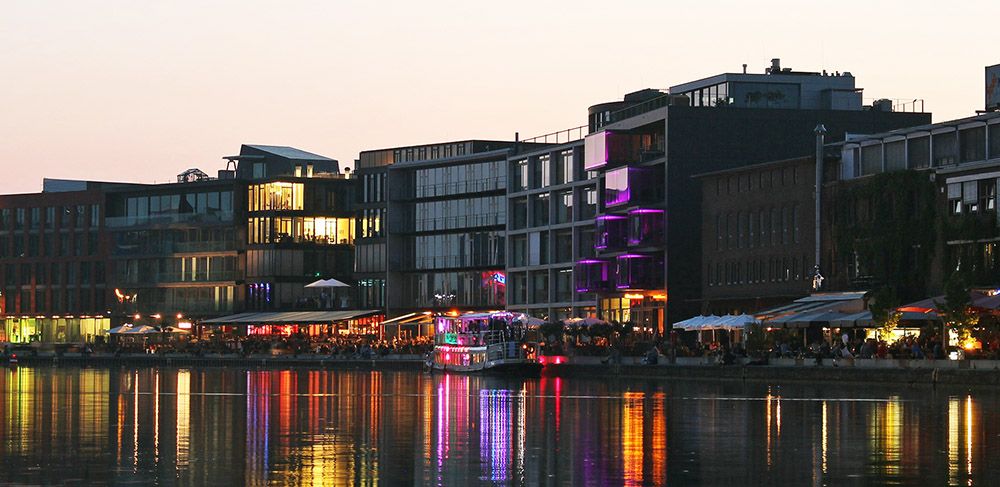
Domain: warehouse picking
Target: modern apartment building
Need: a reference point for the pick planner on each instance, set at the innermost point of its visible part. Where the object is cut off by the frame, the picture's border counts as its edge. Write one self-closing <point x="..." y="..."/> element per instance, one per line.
<point x="551" y="205"/>
<point x="446" y="224"/>
<point x="646" y="149"/>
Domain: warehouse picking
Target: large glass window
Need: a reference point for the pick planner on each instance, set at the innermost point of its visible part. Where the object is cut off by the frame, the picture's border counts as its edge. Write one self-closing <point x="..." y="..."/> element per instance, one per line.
<point x="994" y="142"/>
<point x="540" y="203"/>
<point x="520" y="175"/>
<point x="919" y="152"/>
<point x="564" y="167"/>
<point x="276" y="196"/>
<point x="945" y="148"/>
<point x="564" y="206"/>
<point x="871" y="159"/>
<point x="564" y="285"/>
<point x="543" y="172"/>
<point x="973" y="144"/>
<point x="895" y="156"/>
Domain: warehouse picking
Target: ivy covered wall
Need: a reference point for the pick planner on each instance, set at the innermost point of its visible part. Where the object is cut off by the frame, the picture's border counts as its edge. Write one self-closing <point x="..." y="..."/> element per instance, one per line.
<point x="884" y="232"/>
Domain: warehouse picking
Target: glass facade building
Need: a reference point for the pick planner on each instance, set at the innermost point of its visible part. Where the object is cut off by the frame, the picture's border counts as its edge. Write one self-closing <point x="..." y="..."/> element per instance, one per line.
<point x="444" y="217"/>
<point x="550" y="225"/>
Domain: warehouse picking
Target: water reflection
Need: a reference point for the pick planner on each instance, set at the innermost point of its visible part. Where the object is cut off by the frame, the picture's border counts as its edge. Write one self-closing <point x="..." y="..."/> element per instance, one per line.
<point x="257" y="427"/>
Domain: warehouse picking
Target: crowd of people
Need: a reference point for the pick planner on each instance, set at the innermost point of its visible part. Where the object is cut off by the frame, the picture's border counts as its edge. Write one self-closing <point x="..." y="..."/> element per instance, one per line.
<point x="333" y="346"/>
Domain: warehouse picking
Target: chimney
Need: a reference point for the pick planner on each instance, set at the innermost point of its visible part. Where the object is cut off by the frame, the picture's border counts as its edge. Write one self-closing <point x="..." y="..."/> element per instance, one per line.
<point x="775" y="65"/>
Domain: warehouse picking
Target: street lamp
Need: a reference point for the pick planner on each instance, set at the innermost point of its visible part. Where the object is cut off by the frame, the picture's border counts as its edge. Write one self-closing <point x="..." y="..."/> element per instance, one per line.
<point x="820" y="131"/>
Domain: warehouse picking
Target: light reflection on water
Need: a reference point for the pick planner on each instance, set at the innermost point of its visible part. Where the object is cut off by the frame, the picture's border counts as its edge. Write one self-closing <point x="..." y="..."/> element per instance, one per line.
<point x="316" y="427"/>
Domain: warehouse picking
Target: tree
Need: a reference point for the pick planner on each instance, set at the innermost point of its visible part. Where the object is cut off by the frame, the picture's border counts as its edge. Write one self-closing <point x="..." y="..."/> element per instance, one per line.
<point x="884" y="313"/>
<point x="956" y="310"/>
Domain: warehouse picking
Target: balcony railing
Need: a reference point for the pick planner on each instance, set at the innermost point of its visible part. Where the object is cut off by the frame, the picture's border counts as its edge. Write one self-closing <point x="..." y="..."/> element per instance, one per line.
<point x="132" y="221"/>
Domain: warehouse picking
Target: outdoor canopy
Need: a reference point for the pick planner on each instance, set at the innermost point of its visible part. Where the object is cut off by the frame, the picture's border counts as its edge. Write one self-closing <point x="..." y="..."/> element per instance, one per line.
<point x="291" y="317"/>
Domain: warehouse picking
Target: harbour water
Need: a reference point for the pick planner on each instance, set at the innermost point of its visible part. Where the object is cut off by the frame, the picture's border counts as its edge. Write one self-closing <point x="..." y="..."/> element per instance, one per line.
<point x="231" y="426"/>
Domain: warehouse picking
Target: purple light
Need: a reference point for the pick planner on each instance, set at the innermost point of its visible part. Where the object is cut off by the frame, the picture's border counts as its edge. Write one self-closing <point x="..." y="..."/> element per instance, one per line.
<point x="610" y="217"/>
<point x="645" y="210"/>
<point x="589" y="261"/>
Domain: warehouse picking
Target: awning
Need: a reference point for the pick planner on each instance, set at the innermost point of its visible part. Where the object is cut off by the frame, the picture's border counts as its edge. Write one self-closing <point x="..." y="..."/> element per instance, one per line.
<point x="713" y="322"/>
<point x="864" y="319"/>
<point x="806" y="319"/>
<point x="410" y="318"/>
<point x="291" y="317"/>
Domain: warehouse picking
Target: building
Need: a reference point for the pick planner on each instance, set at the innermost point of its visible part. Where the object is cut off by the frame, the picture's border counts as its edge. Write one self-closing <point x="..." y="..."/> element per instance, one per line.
<point x="649" y="269"/>
<point x="250" y="239"/>
<point x="53" y="256"/>
<point x="912" y="205"/>
<point x="757" y="235"/>
<point x="551" y="205"/>
<point x="445" y="228"/>
<point x="81" y="257"/>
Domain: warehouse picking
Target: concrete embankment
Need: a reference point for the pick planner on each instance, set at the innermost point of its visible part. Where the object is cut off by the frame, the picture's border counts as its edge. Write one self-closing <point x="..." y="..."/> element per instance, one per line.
<point x="391" y="362"/>
<point x="896" y="372"/>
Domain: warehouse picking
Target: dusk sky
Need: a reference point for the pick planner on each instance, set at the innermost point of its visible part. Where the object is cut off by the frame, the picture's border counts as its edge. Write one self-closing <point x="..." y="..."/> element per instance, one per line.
<point x="140" y="91"/>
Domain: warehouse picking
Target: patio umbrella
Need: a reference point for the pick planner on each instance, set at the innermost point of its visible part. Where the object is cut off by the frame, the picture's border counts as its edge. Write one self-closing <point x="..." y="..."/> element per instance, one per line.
<point x="530" y="320"/>
<point x="327" y="283"/>
<point x="120" y="329"/>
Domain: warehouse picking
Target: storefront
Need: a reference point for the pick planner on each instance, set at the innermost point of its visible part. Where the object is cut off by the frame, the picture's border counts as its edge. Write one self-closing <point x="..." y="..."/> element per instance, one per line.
<point x="57" y="329"/>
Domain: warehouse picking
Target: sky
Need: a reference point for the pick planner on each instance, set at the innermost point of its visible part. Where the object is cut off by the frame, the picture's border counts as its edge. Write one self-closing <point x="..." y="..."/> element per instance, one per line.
<point x="140" y="91"/>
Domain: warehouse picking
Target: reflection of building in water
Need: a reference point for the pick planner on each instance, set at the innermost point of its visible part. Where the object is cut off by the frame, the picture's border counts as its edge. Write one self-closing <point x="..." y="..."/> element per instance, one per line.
<point x="961" y="418"/>
<point x="501" y="434"/>
<point x="49" y="411"/>
<point x="885" y="435"/>
<point x="632" y="438"/>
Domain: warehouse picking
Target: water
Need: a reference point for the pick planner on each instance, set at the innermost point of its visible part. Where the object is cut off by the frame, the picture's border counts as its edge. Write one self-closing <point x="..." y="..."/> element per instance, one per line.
<point x="226" y="426"/>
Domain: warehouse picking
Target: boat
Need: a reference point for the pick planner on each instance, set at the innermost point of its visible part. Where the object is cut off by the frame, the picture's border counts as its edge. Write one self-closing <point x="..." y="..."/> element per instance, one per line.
<point x="484" y="342"/>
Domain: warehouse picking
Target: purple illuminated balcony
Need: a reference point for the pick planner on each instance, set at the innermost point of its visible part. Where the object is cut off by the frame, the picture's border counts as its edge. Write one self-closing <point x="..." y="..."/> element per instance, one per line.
<point x="611" y="232"/>
<point x="645" y="227"/>
<point x="630" y="186"/>
<point x="613" y="148"/>
<point x="638" y="271"/>
<point x="591" y="276"/>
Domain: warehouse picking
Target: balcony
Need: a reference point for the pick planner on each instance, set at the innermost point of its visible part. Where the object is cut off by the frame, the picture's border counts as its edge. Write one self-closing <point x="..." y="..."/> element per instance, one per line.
<point x="645" y="227"/>
<point x="611" y="232"/>
<point x="638" y="272"/>
<point x="629" y="186"/>
<point x="591" y="275"/>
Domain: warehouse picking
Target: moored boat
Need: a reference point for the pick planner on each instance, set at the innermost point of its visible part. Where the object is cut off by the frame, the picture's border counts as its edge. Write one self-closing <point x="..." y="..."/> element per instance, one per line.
<point x="484" y="342"/>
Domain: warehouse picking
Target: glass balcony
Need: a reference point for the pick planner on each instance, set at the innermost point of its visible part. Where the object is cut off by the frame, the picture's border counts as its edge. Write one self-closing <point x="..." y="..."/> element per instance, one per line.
<point x="627" y="186"/>
<point x="645" y="227"/>
<point x="611" y="232"/>
<point x="591" y="275"/>
<point x="638" y="272"/>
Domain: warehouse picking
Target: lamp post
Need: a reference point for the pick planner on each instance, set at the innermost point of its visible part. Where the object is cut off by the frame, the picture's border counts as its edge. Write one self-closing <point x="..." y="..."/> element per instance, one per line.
<point x="820" y="131"/>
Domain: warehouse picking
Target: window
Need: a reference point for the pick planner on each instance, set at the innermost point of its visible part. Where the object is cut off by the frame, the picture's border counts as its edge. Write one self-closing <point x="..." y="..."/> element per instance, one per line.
<point x="564" y="170"/>
<point x="871" y="159"/>
<point x="895" y="156"/>
<point x="543" y="172"/>
<point x="540" y="203"/>
<point x="918" y="152"/>
<point x="945" y="148"/>
<point x="972" y="142"/>
<point x="564" y="207"/>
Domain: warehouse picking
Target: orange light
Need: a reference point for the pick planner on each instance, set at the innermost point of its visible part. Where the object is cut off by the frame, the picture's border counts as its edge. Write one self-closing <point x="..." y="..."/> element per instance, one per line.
<point x="660" y="297"/>
<point x="453" y="312"/>
<point x="137" y="316"/>
<point x="179" y="316"/>
<point x="185" y="325"/>
<point x="634" y="296"/>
